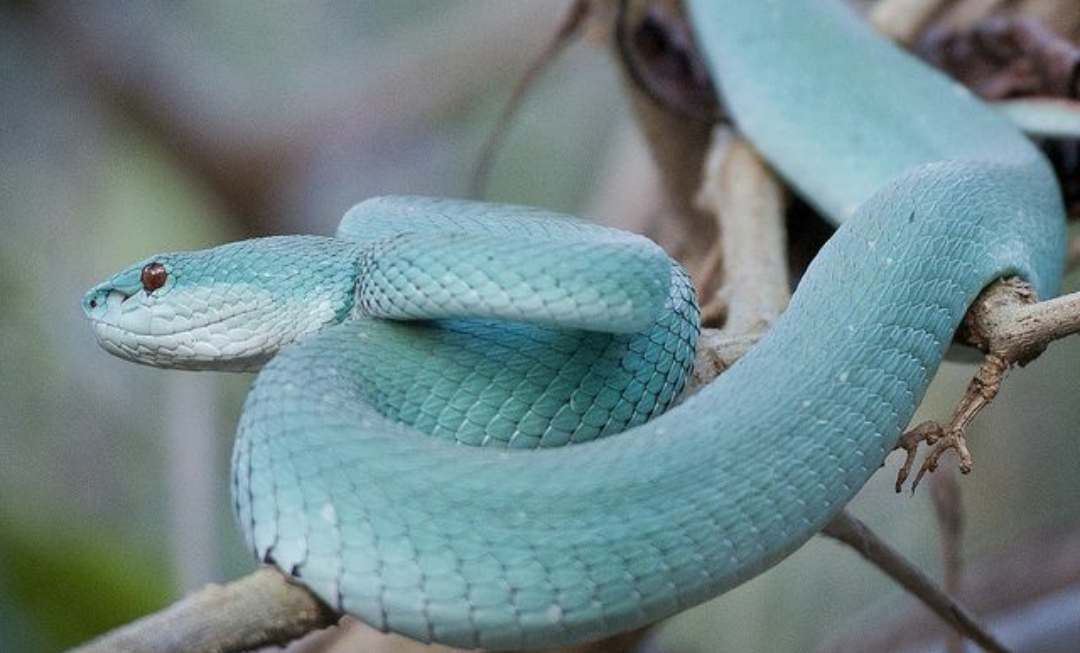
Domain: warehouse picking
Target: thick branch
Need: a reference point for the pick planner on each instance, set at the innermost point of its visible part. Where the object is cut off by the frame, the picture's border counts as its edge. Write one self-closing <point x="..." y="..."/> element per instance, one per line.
<point x="262" y="609"/>
<point x="748" y="203"/>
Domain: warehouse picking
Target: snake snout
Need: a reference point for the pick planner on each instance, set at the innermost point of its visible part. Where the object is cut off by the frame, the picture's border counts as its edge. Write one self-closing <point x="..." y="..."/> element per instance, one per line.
<point x="97" y="303"/>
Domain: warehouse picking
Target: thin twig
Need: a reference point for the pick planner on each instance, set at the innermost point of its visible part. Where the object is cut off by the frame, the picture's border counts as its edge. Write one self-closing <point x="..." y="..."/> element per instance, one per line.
<point x="942" y="437"/>
<point x="1012" y="586"/>
<point x="949" y="510"/>
<point x="1013" y="329"/>
<point x="568" y="29"/>
<point x="849" y="530"/>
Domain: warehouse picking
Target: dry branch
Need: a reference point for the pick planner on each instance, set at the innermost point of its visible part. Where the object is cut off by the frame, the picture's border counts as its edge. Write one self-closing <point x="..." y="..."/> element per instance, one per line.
<point x="262" y="609"/>
<point x="748" y="203"/>
<point x="1006" y="586"/>
<point x="1006" y="321"/>
<point x="858" y="536"/>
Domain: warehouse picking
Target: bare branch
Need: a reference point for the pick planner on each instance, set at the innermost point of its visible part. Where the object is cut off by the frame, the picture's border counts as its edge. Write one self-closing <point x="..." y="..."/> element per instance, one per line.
<point x="262" y="609"/>
<point x="1012" y="587"/>
<point x="572" y="24"/>
<point x="857" y="535"/>
<point x="949" y="511"/>
<point x="943" y="437"/>
<point x="266" y="609"/>
<point x="748" y="203"/>
<point x="1007" y="322"/>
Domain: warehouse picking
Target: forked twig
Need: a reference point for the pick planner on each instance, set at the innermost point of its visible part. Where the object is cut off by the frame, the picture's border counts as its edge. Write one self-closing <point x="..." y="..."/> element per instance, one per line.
<point x="1013" y="329"/>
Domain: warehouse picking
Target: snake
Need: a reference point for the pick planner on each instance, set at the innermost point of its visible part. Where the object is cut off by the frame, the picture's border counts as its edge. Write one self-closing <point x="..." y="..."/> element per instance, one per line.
<point x="595" y="500"/>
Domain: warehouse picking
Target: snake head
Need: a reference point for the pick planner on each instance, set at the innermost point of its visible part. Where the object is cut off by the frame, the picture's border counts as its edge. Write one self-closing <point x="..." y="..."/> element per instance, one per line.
<point x="227" y="308"/>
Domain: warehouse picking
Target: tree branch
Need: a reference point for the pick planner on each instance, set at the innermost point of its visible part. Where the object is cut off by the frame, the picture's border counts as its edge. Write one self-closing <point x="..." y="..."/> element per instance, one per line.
<point x="748" y="203"/>
<point x="1013" y="587"/>
<point x="1007" y="321"/>
<point x="261" y="609"/>
<point x="858" y="536"/>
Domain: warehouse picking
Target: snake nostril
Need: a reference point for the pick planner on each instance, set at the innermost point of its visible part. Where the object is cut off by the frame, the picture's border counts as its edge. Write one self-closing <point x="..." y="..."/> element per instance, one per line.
<point x="91" y="301"/>
<point x="96" y="301"/>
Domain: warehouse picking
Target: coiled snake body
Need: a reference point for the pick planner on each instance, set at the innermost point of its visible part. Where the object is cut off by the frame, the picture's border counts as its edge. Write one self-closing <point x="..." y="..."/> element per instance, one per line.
<point x="336" y="477"/>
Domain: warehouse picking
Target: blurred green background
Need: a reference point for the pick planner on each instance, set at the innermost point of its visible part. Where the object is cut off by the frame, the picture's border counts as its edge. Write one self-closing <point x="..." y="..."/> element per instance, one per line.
<point x="130" y="127"/>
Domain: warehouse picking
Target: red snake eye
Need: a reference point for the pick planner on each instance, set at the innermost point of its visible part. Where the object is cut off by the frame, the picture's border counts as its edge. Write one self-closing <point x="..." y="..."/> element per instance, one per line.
<point x="153" y="276"/>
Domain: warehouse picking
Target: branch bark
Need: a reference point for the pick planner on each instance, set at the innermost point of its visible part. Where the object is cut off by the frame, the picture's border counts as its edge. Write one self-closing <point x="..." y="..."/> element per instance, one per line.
<point x="858" y="536"/>
<point x="748" y="204"/>
<point x="1007" y="321"/>
<point x="262" y="609"/>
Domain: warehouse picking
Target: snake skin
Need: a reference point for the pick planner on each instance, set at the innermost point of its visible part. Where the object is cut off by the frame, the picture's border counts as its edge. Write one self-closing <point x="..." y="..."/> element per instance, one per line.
<point x="338" y="481"/>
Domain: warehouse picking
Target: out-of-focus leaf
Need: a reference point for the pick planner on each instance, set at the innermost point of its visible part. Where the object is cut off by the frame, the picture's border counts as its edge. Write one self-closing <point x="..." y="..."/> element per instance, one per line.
<point x="64" y="587"/>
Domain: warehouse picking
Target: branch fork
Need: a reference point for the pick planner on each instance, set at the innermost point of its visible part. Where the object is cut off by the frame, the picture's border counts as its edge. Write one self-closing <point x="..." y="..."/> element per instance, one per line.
<point x="1013" y="328"/>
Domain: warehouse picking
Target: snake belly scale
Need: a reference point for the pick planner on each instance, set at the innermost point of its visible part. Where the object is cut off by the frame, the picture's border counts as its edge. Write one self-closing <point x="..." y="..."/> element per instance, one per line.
<point x="505" y="327"/>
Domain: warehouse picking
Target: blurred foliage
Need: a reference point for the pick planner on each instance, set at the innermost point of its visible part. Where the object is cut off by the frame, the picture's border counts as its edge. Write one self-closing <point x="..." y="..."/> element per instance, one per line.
<point x="90" y="483"/>
<point x="55" y="573"/>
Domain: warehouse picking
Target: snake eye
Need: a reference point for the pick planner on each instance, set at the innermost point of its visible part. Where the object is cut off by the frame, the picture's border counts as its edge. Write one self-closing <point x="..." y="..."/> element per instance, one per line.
<point x="153" y="276"/>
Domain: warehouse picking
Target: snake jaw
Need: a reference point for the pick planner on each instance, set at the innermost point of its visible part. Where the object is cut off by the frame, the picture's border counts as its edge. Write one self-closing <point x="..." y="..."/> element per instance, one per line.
<point x="188" y="331"/>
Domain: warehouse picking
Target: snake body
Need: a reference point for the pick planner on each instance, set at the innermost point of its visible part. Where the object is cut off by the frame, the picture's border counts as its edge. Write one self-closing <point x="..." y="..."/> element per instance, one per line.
<point x="338" y="481"/>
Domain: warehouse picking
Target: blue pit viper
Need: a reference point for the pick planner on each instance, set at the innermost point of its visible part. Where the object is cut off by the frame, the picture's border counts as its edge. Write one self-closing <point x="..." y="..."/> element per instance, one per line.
<point x="429" y="324"/>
